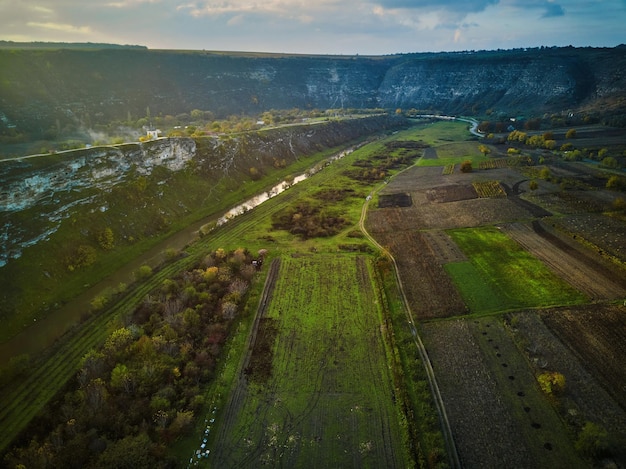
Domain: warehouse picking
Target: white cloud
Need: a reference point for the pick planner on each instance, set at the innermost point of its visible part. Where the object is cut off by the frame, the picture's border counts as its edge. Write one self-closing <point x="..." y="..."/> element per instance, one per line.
<point x="66" y="28"/>
<point x="130" y="3"/>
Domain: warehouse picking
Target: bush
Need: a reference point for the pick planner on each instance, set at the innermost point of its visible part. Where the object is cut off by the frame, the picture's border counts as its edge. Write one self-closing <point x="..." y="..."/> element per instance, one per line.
<point x="619" y="204"/>
<point x="551" y="382"/>
<point x="466" y="166"/>
<point x="144" y="271"/>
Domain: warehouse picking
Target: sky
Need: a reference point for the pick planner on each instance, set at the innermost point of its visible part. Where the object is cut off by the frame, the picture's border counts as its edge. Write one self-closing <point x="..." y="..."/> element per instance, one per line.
<point x="347" y="27"/>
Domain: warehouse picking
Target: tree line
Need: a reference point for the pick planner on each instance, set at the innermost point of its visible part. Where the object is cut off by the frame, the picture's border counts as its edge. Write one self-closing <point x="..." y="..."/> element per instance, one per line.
<point x="143" y="388"/>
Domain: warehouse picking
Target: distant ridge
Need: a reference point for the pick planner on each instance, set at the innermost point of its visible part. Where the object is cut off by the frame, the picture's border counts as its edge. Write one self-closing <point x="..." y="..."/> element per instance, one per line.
<point x="65" y="45"/>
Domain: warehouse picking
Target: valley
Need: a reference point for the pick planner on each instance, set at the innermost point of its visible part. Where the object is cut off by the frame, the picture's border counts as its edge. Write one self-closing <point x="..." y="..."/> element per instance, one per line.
<point x="411" y="290"/>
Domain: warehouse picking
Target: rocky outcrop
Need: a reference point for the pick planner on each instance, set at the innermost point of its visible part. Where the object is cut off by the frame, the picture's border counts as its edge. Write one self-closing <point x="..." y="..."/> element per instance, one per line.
<point x="40" y="192"/>
<point x="43" y="89"/>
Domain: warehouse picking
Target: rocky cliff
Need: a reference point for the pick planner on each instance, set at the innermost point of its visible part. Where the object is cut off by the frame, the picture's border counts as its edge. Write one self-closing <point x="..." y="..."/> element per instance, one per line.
<point x="39" y="89"/>
<point x="38" y="194"/>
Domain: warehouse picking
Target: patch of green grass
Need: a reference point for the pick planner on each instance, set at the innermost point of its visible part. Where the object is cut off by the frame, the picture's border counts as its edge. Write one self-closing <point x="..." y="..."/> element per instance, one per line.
<point x="503" y="276"/>
<point x="328" y="396"/>
<point x="455" y="153"/>
<point x="440" y="132"/>
<point x="477" y="294"/>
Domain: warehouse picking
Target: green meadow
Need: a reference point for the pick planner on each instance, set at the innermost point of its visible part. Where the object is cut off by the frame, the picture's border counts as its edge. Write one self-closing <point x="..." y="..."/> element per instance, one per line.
<point x="501" y="276"/>
<point x="319" y="390"/>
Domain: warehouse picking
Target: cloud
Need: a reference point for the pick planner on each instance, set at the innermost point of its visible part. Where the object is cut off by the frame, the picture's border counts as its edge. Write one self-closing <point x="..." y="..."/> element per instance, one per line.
<point x="549" y="7"/>
<point x="455" y="6"/>
<point x="553" y="10"/>
<point x="66" y="28"/>
<point x="130" y="3"/>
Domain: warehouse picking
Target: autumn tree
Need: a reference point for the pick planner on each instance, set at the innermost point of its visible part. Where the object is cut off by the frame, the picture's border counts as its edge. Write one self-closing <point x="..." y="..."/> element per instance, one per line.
<point x="484" y="149"/>
<point x="106" y="240"/>
<point x="551" y="382"/>
<point x="571" y="133"/>
<point x="466" y="166"/>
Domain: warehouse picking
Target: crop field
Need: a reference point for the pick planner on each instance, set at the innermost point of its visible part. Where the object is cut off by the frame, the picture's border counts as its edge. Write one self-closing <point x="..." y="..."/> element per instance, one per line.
<point x="458" y="253"/>
<point x="317" y="391"/>
<point x="590" y="275"/>
<point x="498" y="416"/>
<point x="488" y="189"/>
<point x="501" y="289"/>
<point x="501" y="275"/>
<point x="428" y="287"/>
<point x="598" y="335"/>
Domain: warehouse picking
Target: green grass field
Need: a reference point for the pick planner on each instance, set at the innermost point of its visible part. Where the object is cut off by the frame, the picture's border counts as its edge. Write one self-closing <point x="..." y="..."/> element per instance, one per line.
<point x="327" y="400"/>
<point x="500" y="275"/>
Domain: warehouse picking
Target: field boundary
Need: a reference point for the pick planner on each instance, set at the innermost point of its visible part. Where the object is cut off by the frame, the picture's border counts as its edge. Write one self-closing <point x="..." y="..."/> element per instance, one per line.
<point x="453" y="456"/>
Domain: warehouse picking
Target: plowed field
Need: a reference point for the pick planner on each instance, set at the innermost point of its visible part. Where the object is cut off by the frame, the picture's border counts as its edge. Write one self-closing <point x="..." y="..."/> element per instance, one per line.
<point x="583" y="271"/>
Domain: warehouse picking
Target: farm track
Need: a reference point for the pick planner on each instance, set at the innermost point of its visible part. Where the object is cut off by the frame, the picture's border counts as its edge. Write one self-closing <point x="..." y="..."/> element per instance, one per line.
<point x="453" y="456"/>
<point x="578" y="267"/>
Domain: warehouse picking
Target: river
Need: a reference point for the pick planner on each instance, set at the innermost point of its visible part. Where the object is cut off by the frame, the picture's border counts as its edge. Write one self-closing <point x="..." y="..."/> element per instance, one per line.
<point x="44" y="332"/>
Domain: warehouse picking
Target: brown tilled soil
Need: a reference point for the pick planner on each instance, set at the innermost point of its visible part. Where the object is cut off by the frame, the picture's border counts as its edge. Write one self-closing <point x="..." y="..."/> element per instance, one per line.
<point x="497" y="416"/>
<point x="608" y="234"/>
<point x="584" y="271"/>
<point x="428" y="287"/>
<point x="587" y="344"/>
<point x="567" y="231"/>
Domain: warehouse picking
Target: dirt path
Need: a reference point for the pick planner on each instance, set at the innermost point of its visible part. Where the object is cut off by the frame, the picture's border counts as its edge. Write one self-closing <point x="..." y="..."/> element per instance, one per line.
<point x="453" y="456"/>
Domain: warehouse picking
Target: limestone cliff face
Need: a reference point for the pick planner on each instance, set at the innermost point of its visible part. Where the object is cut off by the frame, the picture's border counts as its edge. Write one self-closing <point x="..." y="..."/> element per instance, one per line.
<point x="38" y="194"/>
<point x="25" y="184"/>
<point x="465" y="84"/>
<point x="83" y="88"/>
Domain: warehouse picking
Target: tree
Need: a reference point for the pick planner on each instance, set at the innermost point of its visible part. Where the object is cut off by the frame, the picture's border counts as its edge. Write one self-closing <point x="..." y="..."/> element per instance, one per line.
<point x="544" y="173"/>
<point x="466" y="166"/>
<point x="254" y="173"/>
<point x="619" y="204"/>
<point x="551" y="382"/>
<point x="122" y="379"/>
<point x="549" y="144"/>
<point x="118" y="341"/>
<point x="130" y="452"/>
<point x="609" y="162"/>
<point x="532" y="185"/>
<point x="616" y="182"/>
<point x="144" y="272"/>
<point x="484" y="149"/>
<point x="571" y="133"/>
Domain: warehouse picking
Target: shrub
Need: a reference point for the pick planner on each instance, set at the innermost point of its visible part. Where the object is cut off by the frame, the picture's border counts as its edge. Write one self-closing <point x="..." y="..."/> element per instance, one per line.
<point x="619" y="204"/>
<point x="551" y="382"/>
<point x="106" y="239"/>
<point x="532" y="185"/>
<point x="466" y="166"/>
<point x="544" y="174"/>
<point x="144" y="272"/>
<point x="616" y="183"/>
